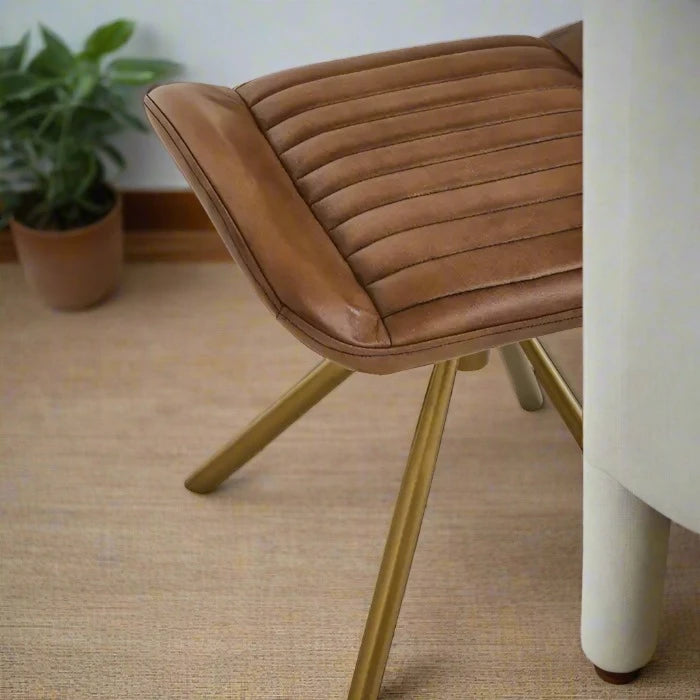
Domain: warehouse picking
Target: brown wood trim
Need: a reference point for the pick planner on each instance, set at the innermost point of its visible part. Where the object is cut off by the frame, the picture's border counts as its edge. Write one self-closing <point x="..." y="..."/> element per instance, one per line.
<point x="174" y="246"/>
<point x="172" y="210"/>
<point x="161" y="225"/>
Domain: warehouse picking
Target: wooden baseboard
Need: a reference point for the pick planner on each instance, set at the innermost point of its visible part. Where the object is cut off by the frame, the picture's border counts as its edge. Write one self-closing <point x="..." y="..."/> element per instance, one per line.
<point x="174" y="246"/>
<point x="176" y="210"/>
<point x="168" y="226"/>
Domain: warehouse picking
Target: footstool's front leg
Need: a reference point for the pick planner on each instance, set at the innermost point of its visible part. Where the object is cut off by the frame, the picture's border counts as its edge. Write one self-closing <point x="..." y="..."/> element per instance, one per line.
<point x="268" y="425"/>
<point x="403" y="535"/>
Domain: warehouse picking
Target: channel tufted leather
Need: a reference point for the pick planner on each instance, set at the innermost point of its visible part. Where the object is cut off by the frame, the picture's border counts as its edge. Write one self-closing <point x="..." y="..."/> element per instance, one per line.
<point x="399" y="208"/>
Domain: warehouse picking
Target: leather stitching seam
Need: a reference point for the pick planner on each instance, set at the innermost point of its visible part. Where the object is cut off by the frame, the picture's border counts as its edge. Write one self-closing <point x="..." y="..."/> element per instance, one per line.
<point x="471" y="250"/>
<point x="543" y="45"/>
<point x="414" y="86"/>
<point x="453" y="188"/>
<point x="434" y="134"/>
<point x="433" y="108"/>
<point x="468" y="216"/>
<point x="439" y="161"/>
<point x="481" y="287"/>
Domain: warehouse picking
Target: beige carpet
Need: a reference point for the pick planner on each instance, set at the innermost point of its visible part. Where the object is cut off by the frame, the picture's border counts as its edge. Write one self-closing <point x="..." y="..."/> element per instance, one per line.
<point x="118" y="583"/>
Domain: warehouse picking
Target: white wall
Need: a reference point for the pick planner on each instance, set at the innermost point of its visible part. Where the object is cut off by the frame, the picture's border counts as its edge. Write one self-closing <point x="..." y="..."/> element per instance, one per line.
<point x="230" y="41"/>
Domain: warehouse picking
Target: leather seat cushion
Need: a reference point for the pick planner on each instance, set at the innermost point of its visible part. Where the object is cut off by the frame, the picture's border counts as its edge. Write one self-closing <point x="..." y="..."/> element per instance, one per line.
<point x="399" y="208"/>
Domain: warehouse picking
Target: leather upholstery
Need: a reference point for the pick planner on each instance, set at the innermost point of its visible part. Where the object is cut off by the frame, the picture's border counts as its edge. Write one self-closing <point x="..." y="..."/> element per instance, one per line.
<point x="569" y="40"/>
<point x="400" y="208"/>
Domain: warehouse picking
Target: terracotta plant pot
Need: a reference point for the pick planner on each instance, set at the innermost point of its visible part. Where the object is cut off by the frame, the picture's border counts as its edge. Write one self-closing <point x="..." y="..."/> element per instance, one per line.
<point x="75" y="268"/>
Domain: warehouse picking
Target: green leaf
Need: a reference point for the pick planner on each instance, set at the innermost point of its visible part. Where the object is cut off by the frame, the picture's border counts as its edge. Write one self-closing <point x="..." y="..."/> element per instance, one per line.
<point x="55" y="58"/>
<point x="86" y="80"/>
<point x="14" y="83"/>
<point x="140" y="71"/>
<point x="29" y="114"/>
<point x="52" y="112"/>
<point x="84" y="86"/>
<point x="11" y="57"/>
<point x="88" y="116"/>
<point x="88" y="178"/>
<point x="119" y="111"/>
<point x="132" y="121"/>
<point x="114" y="155"/>
<point x="108" y="38"/>
<point x="57" y="46"/>
<point x="31" y="91"/>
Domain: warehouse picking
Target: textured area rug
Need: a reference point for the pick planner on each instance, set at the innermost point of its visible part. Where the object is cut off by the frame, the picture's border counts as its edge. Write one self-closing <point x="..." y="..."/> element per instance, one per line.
<point x="116" y="582"/>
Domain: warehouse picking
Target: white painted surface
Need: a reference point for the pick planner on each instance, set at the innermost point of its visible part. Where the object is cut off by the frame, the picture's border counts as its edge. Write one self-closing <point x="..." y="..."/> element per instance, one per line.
<point x="625" y="543"/>
<point x="642" y="249"/>
<point x="230" y="41"/>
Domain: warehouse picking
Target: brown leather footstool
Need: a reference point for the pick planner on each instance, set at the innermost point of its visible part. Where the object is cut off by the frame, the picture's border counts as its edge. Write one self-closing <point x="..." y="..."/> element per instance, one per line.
<point x="400" y="209"/>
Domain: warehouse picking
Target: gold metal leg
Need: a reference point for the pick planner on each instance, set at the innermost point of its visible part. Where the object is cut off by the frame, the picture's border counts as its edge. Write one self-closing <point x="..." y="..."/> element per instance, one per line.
<point x="555" y="386"/>
<point x="403" y="535"/>
<point x="522" y="377"/>
<point x="268" y="425"/>
<point x="473" y="362"/>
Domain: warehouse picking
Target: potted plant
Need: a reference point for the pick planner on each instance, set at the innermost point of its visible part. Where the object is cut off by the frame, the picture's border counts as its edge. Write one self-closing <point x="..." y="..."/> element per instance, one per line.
<point x="59" y="113"/>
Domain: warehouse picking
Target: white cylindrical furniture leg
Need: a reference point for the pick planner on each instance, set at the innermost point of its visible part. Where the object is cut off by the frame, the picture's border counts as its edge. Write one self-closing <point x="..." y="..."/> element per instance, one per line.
<point x="522" y="377"/>
<point x="625" y="542"/>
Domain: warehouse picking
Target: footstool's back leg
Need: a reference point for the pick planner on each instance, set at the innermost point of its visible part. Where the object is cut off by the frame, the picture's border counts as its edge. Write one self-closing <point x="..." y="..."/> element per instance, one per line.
<point x="403" y="535"/>
<point x="522" y="377"/>
<point x="473" y="362"/>
<point x="268" y="425"/>
<point x="555" y="386"/>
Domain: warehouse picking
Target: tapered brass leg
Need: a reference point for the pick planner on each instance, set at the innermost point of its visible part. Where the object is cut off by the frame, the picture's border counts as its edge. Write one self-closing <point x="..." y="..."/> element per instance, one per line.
<point x="522" y="377"/>
<point x="268" y="425"/>
<point x="403" y="535"/>
<point x="555" y="386"/>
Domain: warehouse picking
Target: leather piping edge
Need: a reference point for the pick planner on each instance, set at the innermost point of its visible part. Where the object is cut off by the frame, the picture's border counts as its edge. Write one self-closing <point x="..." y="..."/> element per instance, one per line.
<point x="195" y="170"/>
<point x="291" y="318"/>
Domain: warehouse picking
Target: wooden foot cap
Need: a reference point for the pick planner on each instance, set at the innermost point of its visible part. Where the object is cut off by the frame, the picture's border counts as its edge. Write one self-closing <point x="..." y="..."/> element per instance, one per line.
<point x="617" y="678"/>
